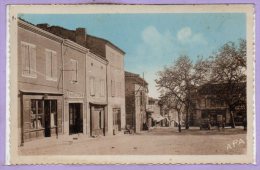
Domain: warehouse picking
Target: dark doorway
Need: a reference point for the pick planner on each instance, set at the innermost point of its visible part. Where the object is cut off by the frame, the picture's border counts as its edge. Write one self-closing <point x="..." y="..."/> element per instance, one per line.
<point x="50" y="117"/>
<point x="75" y="118"/>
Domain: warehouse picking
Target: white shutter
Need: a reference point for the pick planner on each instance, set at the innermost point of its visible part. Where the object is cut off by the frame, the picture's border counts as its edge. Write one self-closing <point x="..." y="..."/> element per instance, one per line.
<point x="102" y="88"/>
<point x="113" y="88"/>
<point x="25" y="59"/>
<point x="54" y="65"/>
<point x="76" y="70"/>
<point x="32" y="51"/>
<point x="73" y="70"/>
<point x="92" y="86"/>
<point x="48" y="64"/>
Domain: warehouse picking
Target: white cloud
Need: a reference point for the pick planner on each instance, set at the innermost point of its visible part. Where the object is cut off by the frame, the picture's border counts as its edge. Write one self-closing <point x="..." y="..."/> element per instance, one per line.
<point x="186" y="36"/>
<point x="159" y="48"/>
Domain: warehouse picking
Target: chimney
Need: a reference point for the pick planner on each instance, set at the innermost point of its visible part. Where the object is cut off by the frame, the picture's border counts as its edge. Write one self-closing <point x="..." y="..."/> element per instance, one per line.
<point x="43" y="26"/>
<point x="81" y="36"/>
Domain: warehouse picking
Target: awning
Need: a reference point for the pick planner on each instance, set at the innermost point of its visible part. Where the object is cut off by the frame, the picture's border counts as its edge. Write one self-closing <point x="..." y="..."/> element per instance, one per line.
<point x="157" y="117"/>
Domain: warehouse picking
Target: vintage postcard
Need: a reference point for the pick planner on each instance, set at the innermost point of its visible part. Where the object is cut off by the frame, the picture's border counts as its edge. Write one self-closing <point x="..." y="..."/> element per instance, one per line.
<point x="131" y="84"/>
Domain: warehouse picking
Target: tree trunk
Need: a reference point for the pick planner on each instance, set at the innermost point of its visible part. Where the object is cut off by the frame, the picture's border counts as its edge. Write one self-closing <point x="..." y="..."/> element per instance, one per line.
<point x="187" y="119"/>
<point x="179" y="122"/>
<point x="232" y="122"/>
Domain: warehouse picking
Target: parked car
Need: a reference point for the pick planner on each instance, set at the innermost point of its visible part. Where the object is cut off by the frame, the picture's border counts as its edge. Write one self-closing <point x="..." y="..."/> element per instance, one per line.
<point x="205" y="124"/>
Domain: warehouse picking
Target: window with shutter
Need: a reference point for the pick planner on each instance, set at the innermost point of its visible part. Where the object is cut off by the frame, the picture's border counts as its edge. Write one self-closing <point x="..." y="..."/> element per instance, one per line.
<point x="51" y="65"/>
<point x="102" y="88"/>
<point x="74" y="71"/>
<point x="118" y="89"/>
<point x="28" y="55"/>
<point x="113" y="88"/>
<point x="32" y="60"/>
<point x="92" y="86"/>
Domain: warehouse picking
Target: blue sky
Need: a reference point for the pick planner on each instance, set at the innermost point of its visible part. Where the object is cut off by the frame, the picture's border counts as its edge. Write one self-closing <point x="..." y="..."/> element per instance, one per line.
<point x="152" y="41"/>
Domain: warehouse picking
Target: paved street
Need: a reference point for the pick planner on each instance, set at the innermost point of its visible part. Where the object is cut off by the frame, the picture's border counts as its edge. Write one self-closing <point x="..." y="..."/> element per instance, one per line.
<point x="159" y="140"/>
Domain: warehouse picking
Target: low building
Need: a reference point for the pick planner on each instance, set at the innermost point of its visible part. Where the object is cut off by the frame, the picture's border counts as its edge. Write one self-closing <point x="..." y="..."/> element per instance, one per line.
<point x="136" y="90"/>
<point x="208" y="102"/>
<point x="154" y="114"/>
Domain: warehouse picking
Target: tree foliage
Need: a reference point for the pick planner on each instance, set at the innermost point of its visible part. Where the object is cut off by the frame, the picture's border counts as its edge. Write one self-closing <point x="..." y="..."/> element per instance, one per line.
<point x="228" y="67"/>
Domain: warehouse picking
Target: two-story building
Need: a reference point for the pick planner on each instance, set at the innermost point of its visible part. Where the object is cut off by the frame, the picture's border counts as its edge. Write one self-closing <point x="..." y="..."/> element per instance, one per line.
<point x="136" y="90"/>
<point x="208" y="102"/>
<point x="40" y="83"/>
<point x="115" y="81"/>
<point x="65" y="85"/>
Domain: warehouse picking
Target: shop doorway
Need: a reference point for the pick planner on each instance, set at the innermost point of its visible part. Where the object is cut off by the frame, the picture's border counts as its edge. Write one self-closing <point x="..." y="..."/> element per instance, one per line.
<point x="116" y="120"/>
<point x="50" y="117"/>
<point x="75" y="118"/>
<point x="97" y="118"/>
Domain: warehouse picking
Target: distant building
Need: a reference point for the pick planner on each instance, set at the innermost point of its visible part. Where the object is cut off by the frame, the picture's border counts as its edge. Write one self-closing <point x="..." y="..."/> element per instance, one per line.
<point x="207" y="102"/>
<point x="154" y="114"/>
<point x="171" y="116"/>
<point x="136" y="90"/>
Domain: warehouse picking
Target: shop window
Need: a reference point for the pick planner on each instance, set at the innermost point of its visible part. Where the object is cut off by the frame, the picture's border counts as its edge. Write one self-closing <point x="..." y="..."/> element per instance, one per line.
<point x="53" y="114"/>
<point x="101" y="119"/>
<point x="51" y="65"/>
<point x="37" y="114"/>
<point x="28" y="56"/>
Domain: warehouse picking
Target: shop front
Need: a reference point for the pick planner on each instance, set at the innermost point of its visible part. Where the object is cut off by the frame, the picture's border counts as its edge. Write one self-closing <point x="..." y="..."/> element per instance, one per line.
<point x="97" y="120"/>
<point x="75" y="118"/>
<point x="41" y="115"/>
<point x="215" y="116"/>
<point x="116" y="120"/>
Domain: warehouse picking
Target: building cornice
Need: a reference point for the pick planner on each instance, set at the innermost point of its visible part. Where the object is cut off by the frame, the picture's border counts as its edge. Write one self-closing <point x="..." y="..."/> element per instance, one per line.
<point x="99" y="58"/>
<point x="75" y="46"/>
<point x="39" y="31"/>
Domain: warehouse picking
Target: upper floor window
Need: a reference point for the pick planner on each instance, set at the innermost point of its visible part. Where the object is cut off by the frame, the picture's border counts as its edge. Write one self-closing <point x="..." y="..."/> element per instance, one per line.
<point x="51" y="65"/>
<point x="92" y="86"/>
<point x="28" y="56"/>
<point x="74" y="70"/>
<point x="141" y="98"/>
<point x="102" y="88"/>
<point x="118" y="84"/>
<point x="113" y="88"/>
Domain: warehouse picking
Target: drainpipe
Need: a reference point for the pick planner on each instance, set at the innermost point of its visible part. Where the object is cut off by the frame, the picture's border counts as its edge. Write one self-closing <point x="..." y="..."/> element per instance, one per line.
<point x="86" y="100"/>
<point x="63" y="103"/>
<point x="106" y="99"/>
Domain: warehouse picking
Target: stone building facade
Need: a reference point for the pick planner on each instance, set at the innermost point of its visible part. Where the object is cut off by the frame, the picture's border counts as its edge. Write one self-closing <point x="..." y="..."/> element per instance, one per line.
<point x="208" y="103"/>
<point x="136" y="90"/>
<point x="40" y="88"/>
<point x="115" y="81"/>
<point x="154" y="114"/>
<point x="66" y="87"/>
